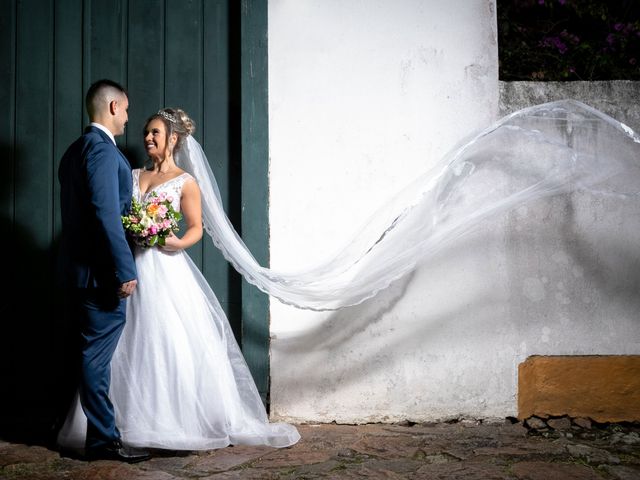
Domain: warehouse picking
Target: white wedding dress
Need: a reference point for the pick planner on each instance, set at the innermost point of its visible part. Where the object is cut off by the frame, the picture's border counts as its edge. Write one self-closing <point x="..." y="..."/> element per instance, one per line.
<point x="178" y="378"/>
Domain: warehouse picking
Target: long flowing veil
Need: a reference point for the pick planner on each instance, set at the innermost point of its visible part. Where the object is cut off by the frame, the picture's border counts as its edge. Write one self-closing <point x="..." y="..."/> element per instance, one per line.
<point x="544" y="150"/>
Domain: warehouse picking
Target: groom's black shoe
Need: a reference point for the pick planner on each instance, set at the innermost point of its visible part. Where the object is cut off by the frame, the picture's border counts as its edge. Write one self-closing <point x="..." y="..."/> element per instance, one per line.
<point x="116" y="451"/>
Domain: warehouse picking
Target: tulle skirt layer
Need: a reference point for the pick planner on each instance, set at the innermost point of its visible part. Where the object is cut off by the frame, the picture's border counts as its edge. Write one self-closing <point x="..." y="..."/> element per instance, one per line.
<point x="179" y="380"/>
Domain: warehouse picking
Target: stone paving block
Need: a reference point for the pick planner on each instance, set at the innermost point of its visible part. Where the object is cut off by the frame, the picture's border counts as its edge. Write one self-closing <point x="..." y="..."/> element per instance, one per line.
<point x="591" y="455"/>
<point x="292" y="457"/>
<point x="11" y="454"/>
<point x="316" y="470"/>
<point x="553" y="471"/>
<point x="462" y="471"/>
<point x="536" y="423"/>
<point x="506" y="451"/>
<point x="225" y="459"/>
<point x="167" y="463"/>
<point x="530" y="447"/>
<point x="369" y="472"/>
<point x="632" y="438"/>
<point x="619" y="472"/>
<point x="244" y="474"/>
<point x="559" y="423"/>
<point x="399" y="465"/>
<point x="109" y="470"/>
<point x="442" y="457"/>
<point x="387" y="447"/>
<point x="582" y="422"/>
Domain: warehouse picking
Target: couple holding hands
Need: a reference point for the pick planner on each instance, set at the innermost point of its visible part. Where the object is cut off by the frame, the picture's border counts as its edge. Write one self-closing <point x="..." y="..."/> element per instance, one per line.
<point x="158" y="364"/>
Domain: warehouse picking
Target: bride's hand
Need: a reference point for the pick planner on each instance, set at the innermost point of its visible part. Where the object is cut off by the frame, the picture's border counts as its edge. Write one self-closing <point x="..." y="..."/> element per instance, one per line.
<point x="171" y="243"/>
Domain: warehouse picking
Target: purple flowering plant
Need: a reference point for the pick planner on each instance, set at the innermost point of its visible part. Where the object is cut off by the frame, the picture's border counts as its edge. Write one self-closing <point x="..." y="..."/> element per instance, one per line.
<point x="569" y="39"/>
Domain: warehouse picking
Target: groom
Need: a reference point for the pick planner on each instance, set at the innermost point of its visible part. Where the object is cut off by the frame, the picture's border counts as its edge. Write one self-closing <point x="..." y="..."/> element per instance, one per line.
<point x="99" y="271"/>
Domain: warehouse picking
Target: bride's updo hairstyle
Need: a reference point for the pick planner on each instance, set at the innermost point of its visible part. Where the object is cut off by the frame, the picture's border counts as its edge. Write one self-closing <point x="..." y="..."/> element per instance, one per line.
<point x="175" y="121"/>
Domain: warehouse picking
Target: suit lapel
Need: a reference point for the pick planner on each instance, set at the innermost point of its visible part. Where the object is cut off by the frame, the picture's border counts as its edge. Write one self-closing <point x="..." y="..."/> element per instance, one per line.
<point x="106" y="137"/>
<point x="123" y="158"/>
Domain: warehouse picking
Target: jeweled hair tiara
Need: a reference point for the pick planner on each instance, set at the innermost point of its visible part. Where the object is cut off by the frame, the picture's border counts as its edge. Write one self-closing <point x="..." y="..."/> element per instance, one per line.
<point x="167" y="116"/>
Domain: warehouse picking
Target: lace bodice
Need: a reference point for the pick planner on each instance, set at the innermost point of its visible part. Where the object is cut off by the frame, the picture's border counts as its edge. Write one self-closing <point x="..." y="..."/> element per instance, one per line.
<point x="172" y="188"/>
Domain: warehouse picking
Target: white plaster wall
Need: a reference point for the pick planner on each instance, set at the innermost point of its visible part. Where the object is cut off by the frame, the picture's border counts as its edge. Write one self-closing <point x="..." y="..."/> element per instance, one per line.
<point x="363" y="96"/>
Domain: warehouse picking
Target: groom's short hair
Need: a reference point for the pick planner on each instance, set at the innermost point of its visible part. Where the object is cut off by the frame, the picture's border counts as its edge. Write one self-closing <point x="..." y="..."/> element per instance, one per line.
<point x="101" y="93"/>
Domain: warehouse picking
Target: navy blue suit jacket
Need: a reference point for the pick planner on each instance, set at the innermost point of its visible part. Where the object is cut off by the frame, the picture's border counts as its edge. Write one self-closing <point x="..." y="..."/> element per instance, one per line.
<point x="95" y="190"/>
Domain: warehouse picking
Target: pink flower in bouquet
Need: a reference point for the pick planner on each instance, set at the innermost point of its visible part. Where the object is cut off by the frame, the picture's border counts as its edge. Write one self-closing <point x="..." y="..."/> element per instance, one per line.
<point x="151" y="222"/>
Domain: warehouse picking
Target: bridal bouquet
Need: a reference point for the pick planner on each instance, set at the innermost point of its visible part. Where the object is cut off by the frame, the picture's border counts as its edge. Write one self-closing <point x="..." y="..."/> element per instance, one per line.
<point x="150" y="222"/>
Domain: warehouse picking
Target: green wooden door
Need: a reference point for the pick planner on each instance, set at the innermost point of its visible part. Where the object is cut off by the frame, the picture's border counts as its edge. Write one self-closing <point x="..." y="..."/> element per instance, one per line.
<point x="205" y="56"/>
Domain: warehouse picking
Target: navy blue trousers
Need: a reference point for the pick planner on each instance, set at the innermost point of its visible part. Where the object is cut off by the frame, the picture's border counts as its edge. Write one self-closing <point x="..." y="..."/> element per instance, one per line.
<point x="102" y="318"/>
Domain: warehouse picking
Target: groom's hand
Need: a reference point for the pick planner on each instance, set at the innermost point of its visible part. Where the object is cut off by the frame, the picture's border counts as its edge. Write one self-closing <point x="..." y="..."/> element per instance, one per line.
<point x="127" y="288"/>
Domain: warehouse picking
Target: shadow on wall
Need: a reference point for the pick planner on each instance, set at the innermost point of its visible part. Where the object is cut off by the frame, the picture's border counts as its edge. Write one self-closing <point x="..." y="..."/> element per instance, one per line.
<point x="33" y="344"/>
<point x="574" y="259"/>
<point x="599" y="259"/>
<point x="352" y="329"/>
<point x="610" y="261"/>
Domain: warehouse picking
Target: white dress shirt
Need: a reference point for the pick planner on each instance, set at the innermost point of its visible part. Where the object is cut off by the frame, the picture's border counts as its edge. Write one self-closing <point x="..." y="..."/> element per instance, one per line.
<point x="105" y="130"/>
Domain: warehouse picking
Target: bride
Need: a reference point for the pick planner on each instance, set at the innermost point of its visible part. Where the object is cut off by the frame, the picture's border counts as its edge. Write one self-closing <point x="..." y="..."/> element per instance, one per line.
<point x="178" y="378"/>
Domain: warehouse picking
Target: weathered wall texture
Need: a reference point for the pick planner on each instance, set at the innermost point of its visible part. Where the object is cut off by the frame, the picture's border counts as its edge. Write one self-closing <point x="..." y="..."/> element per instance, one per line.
<point x="619" y="99"/>
<point x="363" y="96"/>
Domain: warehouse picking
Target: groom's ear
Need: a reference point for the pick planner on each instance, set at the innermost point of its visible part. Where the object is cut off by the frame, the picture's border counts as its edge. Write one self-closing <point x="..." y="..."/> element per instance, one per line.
<point x="113" y="105"/>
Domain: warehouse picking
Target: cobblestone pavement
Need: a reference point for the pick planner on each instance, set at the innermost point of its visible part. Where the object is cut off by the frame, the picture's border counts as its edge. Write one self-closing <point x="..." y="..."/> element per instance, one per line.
<point x="457" y="450"/>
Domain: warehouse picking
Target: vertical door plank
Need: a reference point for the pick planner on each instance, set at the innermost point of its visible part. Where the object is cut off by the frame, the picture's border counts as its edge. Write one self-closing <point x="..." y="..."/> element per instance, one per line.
<point x="146" y="71"/>
<point x="255" y="171"/>
<point x="105" y="40"/>
<point x="7" y="118"/>
<point x="184" y="69"/>
<point x="69" y="110"/>
<point x="219" y="146"/>
<point x="34" y="136"/>
<point x="8" y="22"/>
<point x="68" y="124"/>
<point x="29" y="336"/>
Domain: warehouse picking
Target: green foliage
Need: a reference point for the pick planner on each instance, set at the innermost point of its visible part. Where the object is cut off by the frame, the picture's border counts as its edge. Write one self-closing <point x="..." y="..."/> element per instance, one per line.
<point x="569" y="39"/>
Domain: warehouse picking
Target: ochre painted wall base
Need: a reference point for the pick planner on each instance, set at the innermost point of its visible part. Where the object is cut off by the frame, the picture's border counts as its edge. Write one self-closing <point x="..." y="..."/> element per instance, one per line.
<point x="605" y="388"/>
